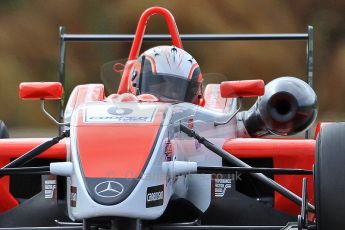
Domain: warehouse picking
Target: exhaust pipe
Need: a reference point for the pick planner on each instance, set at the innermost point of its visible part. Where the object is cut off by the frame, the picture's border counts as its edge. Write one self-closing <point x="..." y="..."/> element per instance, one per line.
<point x="289" y="106"/>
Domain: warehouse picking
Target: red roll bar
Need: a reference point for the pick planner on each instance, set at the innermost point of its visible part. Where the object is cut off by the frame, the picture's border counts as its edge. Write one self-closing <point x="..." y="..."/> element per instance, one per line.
<point x="139" y="33"/>
<point x="138" y="38"/>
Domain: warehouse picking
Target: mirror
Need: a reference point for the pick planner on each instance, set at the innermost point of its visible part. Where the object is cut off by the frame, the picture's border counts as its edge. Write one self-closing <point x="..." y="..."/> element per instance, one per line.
<point x="245" y="88"/>
<point x="40" y="90"/>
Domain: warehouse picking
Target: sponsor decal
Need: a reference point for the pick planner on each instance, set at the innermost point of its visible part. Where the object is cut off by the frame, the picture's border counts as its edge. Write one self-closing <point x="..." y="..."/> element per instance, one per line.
<point x="155" y="196"/>
<point x="120" y="119"/>
<point x="109" y="189"/>
<point x="221" y="183"/>
<point x="220" y="186"/>
<point x="73" y="197"/>
<point x="119" y="114"/>
<point x="168" y="151"/>
<point x="50" y="189"/>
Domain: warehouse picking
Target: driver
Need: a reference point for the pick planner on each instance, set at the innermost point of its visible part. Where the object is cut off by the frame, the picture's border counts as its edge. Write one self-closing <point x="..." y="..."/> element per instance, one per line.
<point x="169" y="73"/>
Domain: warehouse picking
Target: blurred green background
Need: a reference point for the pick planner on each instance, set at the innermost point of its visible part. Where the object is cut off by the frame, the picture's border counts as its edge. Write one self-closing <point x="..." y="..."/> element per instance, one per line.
<point x="29" y="46"/>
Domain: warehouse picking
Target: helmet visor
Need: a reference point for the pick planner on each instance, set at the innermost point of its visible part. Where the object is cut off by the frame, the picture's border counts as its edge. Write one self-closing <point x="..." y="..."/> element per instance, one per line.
<point x="164" y="86"/>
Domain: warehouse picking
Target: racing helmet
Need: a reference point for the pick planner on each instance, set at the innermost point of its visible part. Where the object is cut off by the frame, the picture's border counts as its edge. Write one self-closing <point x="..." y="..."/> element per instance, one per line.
<point x="168" y="72"/>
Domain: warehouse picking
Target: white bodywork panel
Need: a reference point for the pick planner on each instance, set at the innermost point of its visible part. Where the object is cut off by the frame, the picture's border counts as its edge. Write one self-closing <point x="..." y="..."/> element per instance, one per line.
<point x="195" y="188"/>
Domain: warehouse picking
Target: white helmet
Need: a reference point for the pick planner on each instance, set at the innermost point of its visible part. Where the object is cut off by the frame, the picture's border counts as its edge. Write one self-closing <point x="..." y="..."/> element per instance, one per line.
<point x="169" y="73"/>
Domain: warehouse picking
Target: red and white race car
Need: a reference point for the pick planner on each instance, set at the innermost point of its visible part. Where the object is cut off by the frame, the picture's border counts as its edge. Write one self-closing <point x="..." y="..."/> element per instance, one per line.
<point x="169" y="152"/>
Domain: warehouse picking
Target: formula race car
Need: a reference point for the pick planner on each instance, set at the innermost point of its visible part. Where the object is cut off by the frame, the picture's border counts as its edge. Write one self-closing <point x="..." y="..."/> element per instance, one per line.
<point x="167" y="151"/>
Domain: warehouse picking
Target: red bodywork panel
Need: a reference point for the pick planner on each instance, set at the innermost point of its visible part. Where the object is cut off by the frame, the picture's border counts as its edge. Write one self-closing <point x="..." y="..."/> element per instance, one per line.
<point x="15" y="147"/>
<point x="40" y="90"/>
<point x="245" y="88"/>
<point x="123" y="159"/>
<point x="126" y="158"/>
<point x="286" y="153"/>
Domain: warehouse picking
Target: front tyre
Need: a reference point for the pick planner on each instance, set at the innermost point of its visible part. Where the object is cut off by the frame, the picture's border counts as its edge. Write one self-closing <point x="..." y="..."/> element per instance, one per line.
<point x="329" y="177"/>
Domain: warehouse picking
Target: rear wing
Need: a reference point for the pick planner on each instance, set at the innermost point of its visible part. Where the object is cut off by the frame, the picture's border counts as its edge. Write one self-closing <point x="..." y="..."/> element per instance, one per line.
<point x="69" y="38"/>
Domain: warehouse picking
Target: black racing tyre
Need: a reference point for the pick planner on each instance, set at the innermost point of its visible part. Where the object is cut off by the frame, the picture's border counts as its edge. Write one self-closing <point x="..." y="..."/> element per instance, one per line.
<point x="3" y="130"/>
<point x="329" y="177"/>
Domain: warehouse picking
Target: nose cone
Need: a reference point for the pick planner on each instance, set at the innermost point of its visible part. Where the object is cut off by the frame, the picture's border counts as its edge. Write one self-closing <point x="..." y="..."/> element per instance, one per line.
<point x="115" y="143"/>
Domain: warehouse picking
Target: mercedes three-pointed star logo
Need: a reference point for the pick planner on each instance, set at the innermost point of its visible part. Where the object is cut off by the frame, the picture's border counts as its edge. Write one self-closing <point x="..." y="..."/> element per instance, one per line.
<point x="109" y="189"/>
